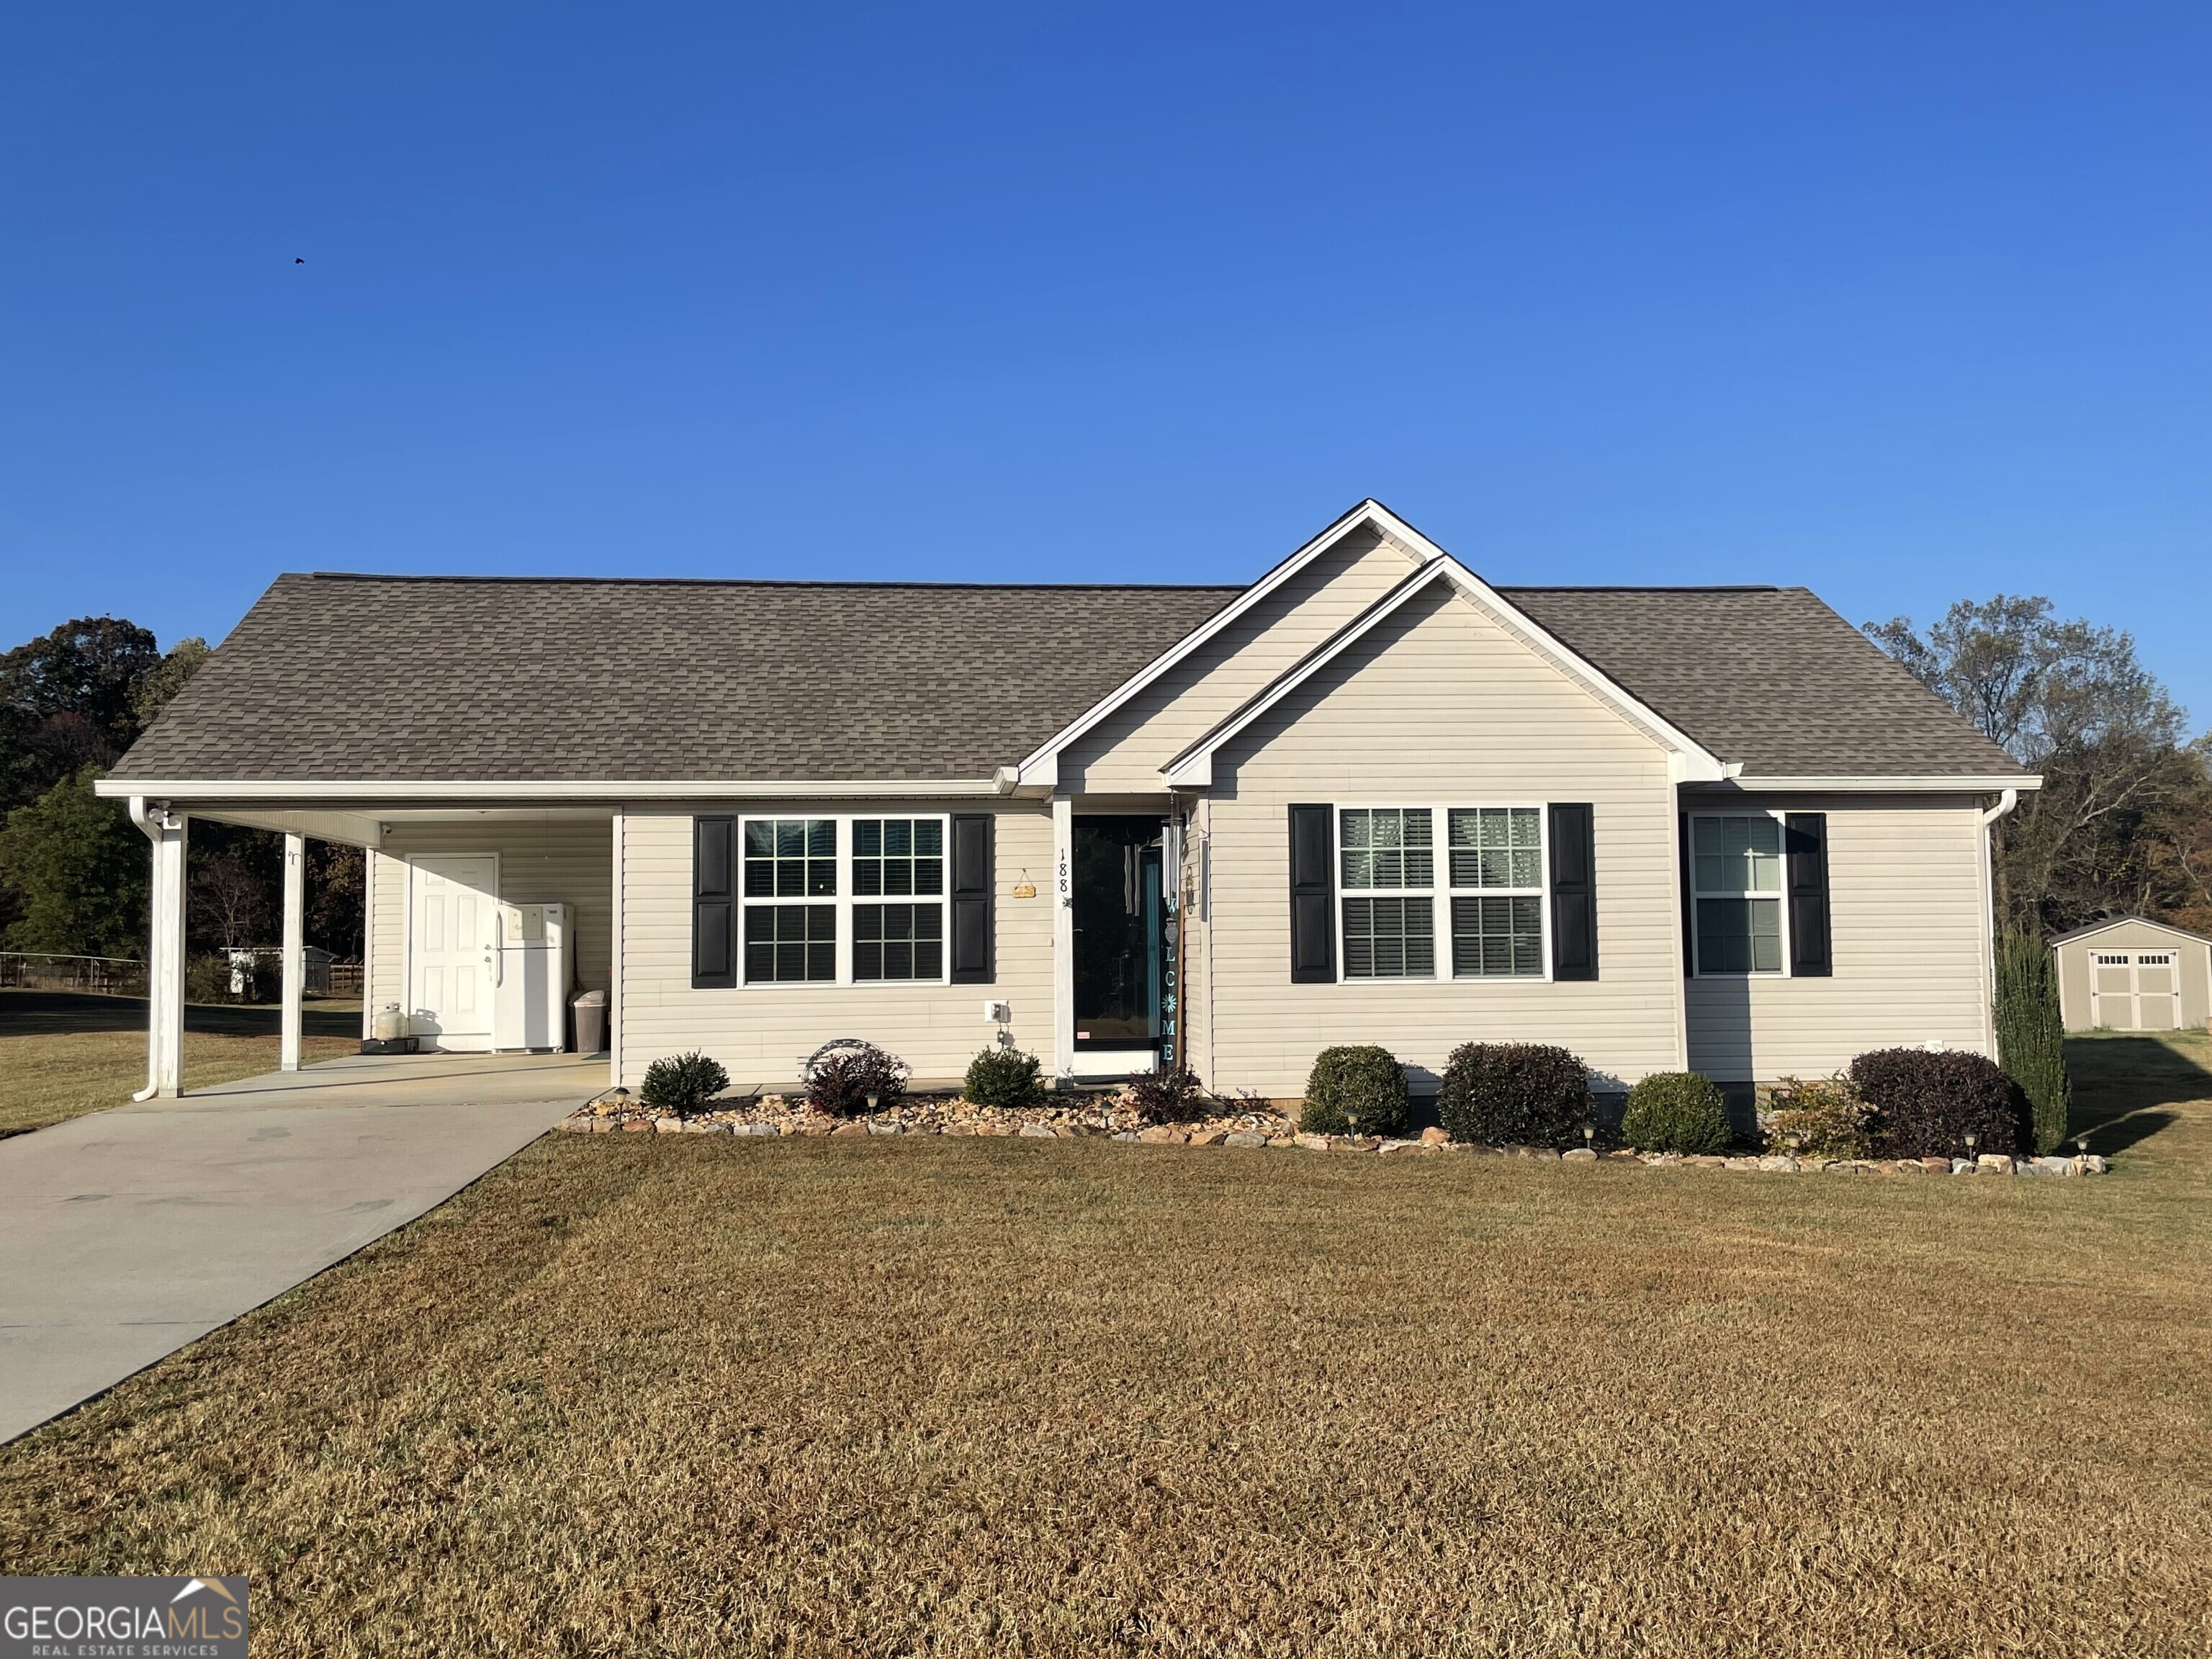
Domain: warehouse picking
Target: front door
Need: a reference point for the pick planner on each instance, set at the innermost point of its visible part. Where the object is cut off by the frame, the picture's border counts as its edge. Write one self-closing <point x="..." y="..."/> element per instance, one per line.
<point x="452" y="948"/>
<point x="1121" y="964"/>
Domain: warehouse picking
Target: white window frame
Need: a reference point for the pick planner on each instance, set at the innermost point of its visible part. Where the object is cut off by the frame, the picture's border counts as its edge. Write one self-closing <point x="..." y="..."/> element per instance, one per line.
<point x="1440" y="891"/>
<point x="1780" y="898"/>
<point x="845" y="899"/>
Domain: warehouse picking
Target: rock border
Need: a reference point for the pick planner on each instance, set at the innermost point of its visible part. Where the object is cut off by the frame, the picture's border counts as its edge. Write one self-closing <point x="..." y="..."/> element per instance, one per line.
<point x="1109" y="1117"/>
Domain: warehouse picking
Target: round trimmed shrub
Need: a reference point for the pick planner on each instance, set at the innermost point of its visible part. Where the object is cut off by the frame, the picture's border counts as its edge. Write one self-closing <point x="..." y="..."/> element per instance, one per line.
<point x="1356" y="1090"/>
<point x="1002" y="1077"/>
<point x="1676" y="1112"/>
<point x="683" y="1083"/>
<point x="840" y="1077"/>
<point x="1506" y="1094"/>
<point x="1926" y="1105"/>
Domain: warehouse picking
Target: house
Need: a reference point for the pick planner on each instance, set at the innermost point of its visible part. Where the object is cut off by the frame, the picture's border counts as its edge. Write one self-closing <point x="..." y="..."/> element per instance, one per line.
<point x="2124" y="974"/>
<point x="1369" y="798"/>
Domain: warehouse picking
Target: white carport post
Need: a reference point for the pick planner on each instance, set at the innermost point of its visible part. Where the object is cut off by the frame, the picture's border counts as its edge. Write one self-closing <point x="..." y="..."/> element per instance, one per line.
<point x="164" y="960"/>
<point x="295" y="958"/>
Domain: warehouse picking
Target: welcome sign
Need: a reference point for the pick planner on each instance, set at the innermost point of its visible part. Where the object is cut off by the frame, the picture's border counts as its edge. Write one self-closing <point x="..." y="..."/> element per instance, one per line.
<point x="123" y="1618"/>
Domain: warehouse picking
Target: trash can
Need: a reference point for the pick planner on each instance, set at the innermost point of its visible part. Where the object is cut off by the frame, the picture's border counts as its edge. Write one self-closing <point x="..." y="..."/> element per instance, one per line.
<point x="591" y="1012"/>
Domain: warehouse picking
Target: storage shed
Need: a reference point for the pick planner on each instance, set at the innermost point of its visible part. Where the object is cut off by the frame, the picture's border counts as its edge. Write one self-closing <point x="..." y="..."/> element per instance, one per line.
<point x="2125" y="973"/>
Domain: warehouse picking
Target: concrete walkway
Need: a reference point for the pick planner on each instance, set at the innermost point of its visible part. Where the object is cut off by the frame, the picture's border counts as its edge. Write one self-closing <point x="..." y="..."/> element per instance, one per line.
<point x="126" y="1234"/>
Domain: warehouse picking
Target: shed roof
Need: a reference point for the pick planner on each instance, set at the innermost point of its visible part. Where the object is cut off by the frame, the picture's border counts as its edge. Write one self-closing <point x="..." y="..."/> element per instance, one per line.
<point x="2110" y="922"/>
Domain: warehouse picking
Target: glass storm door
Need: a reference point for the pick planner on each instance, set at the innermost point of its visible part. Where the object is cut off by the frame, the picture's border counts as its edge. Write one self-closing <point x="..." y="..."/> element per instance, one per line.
<point x="1120" y="962"/>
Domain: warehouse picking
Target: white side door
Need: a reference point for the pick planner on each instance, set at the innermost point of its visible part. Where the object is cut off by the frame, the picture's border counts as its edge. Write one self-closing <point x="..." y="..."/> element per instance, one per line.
<point x="452" y="947"/>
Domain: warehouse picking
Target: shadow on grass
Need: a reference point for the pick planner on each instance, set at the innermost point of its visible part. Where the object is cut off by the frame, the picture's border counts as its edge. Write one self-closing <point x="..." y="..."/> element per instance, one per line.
<point x="2122" y="1083"/>
<point x="61" y="1013"/>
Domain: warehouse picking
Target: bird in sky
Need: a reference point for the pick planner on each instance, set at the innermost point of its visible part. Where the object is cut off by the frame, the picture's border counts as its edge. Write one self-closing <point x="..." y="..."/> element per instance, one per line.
<point x="299" y="262"/>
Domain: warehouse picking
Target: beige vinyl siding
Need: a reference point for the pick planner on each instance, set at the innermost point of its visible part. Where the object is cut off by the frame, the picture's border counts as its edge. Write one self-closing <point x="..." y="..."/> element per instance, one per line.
<point x="541" y="861"/>
<point x="1440" y="706"/>
<point x="1905" y="921"/>
<point x="760" y="1032"/>
<point x="1124" y="754"/>
<point x="2192" y="958"/>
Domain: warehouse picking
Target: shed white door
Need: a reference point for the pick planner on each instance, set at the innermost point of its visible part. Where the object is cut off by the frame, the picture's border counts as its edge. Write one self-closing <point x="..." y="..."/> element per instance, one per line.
<point x="2134" y="990"/>
<point x="452" y="947"/>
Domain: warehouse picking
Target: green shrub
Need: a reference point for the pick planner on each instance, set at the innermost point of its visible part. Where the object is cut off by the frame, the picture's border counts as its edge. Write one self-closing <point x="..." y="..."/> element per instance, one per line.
<point x="1823" y="1118"/>
<point x="1356" y="1090"/>
<point x="1002" y="1077"/>
<point x="1515" y="1094"/>
<point x="1927" y="1103"/>
<point x="2032" y="1033"/>
<point x="1165" y="1097"/>
<point x="840" y="1076"/>
<point x="1676" y="1112"/>
<point x="683" y="1083"/>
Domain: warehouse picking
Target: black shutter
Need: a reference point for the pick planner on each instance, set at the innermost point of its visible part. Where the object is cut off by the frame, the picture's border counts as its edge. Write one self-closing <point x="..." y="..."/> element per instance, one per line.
<point x="1805" y="839"/>
<point x="1574" y="892"/>
<point x="713" y="904"/>
<point x="1313" y="895"/>
<point x="1689" y="899"/>
<point x="972" y="893"/>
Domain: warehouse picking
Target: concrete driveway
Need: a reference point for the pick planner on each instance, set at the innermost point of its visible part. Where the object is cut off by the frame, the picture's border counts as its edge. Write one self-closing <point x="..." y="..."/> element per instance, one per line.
<point x="126" y="1234"/>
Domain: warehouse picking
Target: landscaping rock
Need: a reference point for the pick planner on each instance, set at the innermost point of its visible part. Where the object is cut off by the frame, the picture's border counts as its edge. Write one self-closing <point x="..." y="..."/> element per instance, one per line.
<point x="1160" y="1134"/>
<point x="1036" y="1131"/>
<point x="883" y="1128"/>
<point x="1390" y="1148"/>
<point x="2092" y="1163"/>
<point x="1739" y="1164"/>
<point x="1779" y="1163"/>
<point x="1994" y="1164"/>
<point x="2057" y="1166"/>
<point x="1622" y="1154"/>
<point x="1125" y="1134"/>
<point x="668" y="1125"/>
<point x="1707" y="1161"/>
<point x="1208" y="1138"/>
<point x="757" y="1130"/>
<point x="1313" y="1143"/>
<point x="1282" y="1140"/>
<point x="850" y="1129"/>
<point x="1579" y="1155"/>
<point x="1433" y="1136"/>
<point x="1936" y="1165"/>
<point x="1242" y="1138"/>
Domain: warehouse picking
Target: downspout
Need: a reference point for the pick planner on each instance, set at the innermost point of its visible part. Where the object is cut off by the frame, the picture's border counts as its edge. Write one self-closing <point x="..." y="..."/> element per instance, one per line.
<point x="1985" y="821"/>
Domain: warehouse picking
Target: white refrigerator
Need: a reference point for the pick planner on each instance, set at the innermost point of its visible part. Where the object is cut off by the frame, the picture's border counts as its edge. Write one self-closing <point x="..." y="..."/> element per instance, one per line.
<point x="536" y="966"/>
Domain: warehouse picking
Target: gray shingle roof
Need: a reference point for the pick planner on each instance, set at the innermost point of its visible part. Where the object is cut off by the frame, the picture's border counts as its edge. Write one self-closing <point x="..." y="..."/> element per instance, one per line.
<point x="1770" y="677"/>
<point x="338" y="677"/>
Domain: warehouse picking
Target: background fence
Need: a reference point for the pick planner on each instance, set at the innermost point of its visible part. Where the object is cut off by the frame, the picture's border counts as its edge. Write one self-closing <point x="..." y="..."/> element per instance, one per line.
<point x="33" y="971"/>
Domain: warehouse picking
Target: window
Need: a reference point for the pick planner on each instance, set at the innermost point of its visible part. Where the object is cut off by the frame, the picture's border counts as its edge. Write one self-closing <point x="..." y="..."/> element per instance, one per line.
<point x="842" y="900"/>
<point x="791" y="858"/>
<point x="790" y="942"/>
<point x="898" y="941"/>
<point x="1498" y="933"/>
<point x="1736" y="868"/>
<point x="1388" y="848"/>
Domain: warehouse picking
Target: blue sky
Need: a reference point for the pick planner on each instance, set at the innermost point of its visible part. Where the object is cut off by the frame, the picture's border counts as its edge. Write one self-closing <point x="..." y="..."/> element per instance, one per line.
<point x="1903" y="303"/>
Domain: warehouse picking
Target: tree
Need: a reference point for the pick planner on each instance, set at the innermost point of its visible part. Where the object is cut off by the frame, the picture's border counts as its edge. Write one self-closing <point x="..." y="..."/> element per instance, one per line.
<point x="337" y="894"/>
<point x="2032" y="1033"/>
<point x="2071" y="701"/>
<point x="161" y="682"/>
<point x="77" y="873"/>
<point x="66" y="702"/>
<point x="233" y="890"/>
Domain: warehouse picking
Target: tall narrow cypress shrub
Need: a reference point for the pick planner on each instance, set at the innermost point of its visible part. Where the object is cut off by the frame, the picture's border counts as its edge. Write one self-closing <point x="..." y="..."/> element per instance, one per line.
<point x="2032" y="1033"/>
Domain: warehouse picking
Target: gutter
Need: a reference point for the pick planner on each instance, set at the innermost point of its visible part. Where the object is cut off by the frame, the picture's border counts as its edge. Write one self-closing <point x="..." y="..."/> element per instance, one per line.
<point x="1984" y="821"/>
<point x="393" y="790"/>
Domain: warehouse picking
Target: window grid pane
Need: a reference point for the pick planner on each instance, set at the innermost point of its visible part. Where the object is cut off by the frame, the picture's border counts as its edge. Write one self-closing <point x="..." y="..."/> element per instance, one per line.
<point x="1739" y="936"/>
<point x="897" y="857"/>
<point x="791" y="858"/>
<point x="898" y="941"/>
<point x="1496" y="847"/>
<point x="1388" y="938"/>
<point x="791" y="942"/>
<point x="1737" y="854"/>
<point x="1498" y="938"/>
<point x="1387" y="847"/>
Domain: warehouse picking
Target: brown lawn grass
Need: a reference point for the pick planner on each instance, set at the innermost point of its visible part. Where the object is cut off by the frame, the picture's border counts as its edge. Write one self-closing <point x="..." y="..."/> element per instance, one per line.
<point x="630" y="1394"/>
<point x="48" y="1077"/>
